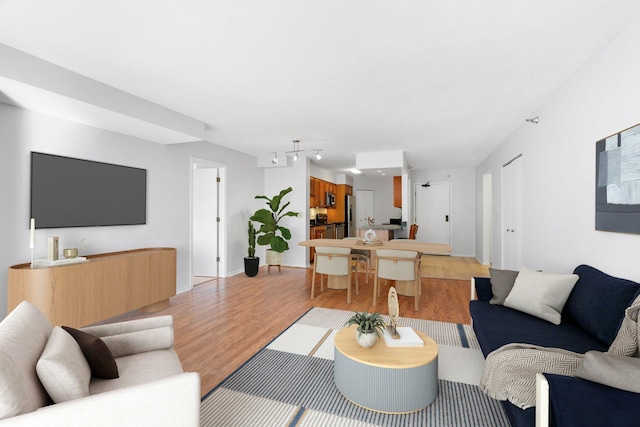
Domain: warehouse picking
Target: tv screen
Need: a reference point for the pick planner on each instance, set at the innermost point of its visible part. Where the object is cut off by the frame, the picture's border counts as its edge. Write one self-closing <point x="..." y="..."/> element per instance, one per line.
<point x="68" y="192"/>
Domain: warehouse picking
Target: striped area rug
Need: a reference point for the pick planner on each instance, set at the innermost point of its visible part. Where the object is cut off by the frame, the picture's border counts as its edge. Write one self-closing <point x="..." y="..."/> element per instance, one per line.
<point x="290" y="382"/>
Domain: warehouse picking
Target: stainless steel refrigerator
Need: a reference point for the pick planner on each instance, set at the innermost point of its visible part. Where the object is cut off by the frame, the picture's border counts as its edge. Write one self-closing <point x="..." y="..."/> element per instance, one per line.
<point x="350" y="216"/>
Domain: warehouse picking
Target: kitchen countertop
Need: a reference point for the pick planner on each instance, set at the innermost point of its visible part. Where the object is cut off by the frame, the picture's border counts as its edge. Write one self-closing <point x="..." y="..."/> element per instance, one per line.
<point x="381" y="227"/>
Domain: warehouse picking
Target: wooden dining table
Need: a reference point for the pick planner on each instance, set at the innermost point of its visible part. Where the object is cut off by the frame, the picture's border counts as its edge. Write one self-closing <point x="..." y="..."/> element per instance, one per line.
<point x="403" y="288"/>
<point x="424" y="248"/>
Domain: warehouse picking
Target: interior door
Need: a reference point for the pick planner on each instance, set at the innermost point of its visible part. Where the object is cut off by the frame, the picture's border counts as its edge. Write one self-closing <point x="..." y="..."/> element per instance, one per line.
<point x="512" y="214"/>
<point x="433" y="212"/>
<point x="205" y="222"/>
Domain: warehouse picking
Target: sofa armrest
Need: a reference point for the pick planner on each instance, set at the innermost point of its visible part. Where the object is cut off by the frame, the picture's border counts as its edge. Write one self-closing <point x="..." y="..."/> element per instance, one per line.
<point x="574" y="402"/>
<point x="135" y="336"/>
<point x="481" y="288"/>
<point x="129" y="326"/>
<point x="542" y="401"/>
<point x="170" y="401"/>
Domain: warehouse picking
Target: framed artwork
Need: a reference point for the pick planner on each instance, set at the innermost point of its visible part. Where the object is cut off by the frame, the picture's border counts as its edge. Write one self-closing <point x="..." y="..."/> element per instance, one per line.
<point x="618" y="182"/>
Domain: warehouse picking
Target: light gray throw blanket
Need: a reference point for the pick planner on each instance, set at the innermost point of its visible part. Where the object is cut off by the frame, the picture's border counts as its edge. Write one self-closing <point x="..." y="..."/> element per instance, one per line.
<point x="510" y="371"/>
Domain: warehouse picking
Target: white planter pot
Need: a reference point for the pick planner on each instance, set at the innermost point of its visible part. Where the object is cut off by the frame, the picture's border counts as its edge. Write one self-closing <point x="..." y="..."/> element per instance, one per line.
<point x="366" y="340"/>
<point x="273" y="257"/>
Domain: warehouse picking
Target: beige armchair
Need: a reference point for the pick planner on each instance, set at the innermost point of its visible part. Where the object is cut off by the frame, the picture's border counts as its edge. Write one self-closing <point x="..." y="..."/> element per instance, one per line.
<point x="46" y="377"/>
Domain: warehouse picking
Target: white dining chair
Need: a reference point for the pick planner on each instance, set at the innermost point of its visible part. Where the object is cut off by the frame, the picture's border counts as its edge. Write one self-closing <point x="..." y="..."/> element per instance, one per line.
<point x="333" y="261"/>
<point x="396" y="264"/>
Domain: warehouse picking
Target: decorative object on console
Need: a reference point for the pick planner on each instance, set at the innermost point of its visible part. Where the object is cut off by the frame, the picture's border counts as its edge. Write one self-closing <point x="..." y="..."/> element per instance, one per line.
<point x="52" y="248"/>
<point x="370" y="327"/>
<point x="70" y="253"/>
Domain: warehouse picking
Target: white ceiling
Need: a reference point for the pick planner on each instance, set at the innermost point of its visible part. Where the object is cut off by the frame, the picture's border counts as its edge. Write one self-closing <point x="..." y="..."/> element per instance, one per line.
<point x="445" y="81"/>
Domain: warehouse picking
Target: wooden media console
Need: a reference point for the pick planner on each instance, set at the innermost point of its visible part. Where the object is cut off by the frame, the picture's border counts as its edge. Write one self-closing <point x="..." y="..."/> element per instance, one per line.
<point x="104" y="286"/>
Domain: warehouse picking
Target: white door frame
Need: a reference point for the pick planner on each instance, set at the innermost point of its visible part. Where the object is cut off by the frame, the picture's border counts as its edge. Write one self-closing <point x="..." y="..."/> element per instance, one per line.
<point x="487" y="218"/>
<point x="197" y="163"/>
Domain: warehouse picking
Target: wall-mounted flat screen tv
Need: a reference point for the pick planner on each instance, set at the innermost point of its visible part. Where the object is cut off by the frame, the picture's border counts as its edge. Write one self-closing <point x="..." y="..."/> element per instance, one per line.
<point x="68" y="192"/>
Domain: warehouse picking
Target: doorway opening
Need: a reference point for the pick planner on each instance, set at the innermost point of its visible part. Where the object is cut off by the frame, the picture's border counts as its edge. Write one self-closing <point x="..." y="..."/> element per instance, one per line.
<point x="208" y="201"/>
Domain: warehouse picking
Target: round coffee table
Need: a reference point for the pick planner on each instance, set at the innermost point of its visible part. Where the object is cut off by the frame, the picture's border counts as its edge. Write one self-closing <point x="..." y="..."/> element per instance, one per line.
<point x="386" y="379"/>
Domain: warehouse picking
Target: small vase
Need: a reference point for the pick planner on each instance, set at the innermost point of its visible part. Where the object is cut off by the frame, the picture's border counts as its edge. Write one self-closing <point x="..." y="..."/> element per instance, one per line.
<point x="366" y="340"/>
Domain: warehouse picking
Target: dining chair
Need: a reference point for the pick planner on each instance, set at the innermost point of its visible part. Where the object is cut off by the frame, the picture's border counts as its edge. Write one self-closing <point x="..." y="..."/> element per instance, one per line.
<point x="362" y="257"/>
<point x="413" y="230"/>
<point x="396" y="264"/>
<point x="333" y="261"/>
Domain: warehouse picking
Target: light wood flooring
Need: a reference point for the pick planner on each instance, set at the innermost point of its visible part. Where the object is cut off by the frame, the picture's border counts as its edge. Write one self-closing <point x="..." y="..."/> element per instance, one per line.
<point x="221" y="323"/>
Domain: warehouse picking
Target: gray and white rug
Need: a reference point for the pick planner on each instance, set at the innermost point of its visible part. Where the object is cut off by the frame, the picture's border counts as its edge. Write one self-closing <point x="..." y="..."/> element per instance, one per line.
<point x="290" y="382"/>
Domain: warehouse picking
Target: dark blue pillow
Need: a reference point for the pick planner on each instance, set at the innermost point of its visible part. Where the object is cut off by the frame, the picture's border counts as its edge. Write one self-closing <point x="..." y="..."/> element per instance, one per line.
<point x="598" y="301"/>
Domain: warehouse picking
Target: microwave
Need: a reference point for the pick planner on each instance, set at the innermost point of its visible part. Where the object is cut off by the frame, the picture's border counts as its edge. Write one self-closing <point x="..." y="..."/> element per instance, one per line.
<point x="330" y="199"/>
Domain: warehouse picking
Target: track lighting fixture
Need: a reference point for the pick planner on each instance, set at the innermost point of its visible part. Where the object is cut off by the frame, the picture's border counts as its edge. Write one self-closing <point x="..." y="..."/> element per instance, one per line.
<point x="534" y="120"/>
<point x="296" y="150"/>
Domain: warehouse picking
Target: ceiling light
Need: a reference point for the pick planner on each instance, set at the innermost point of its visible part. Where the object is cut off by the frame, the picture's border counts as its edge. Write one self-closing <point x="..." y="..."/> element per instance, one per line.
<point x="275" y="158"/>
<point x="296" y="149"/>
<point x="318" y="156"/>
<point x="355" y="171"/>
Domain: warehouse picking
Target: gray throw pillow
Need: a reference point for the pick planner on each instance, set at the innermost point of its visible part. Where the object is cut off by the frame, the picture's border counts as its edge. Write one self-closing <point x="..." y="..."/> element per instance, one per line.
<point x="501" y="284"/>
<point x="614" y="371"/>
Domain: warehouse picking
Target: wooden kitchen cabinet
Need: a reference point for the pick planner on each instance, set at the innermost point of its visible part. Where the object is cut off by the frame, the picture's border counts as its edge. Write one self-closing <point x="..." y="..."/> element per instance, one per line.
<point x="397" y="191"/>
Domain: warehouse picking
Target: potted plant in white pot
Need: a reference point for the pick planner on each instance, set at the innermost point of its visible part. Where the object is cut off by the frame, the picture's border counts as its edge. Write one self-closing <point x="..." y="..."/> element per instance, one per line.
<point x="370" y="326"/>
<point x="271" y="233"/>
<point x="251" y="262"/>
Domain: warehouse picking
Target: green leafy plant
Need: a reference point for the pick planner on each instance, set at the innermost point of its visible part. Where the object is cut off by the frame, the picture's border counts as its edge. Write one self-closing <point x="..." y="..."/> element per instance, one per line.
<point x="271" y="233"/>
<point x="252" y="240"/>
<point x="367" y="323"/>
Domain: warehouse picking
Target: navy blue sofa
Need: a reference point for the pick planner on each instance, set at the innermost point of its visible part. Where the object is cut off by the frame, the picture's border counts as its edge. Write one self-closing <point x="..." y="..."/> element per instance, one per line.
<point x="590" y="321"/>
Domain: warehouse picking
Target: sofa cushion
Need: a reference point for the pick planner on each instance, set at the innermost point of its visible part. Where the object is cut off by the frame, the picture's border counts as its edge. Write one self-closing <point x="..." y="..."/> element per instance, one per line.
<point x="598" y="301"/>
<point x="63" y="369"/>
<point x="501" y="284"/>
<point x="541" y="294"/>
<point x="23" y="336"/>
<point x="98" y="355"/>
<point x="497" y="325"/>
<point x="139" y="368"/>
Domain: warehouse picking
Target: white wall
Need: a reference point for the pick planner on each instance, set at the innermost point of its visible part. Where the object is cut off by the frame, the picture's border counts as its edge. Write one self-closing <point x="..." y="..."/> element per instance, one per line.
<point x="168" y="191"/>
<point x="296" y="177"/>
<point x="559" y="166"/>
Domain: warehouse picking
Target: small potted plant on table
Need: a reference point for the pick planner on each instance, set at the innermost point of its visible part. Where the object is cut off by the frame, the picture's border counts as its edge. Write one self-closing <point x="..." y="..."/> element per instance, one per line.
<point x="370" y="326"/>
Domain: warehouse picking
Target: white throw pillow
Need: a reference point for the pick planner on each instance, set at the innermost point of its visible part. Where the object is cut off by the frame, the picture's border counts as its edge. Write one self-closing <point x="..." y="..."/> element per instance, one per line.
<point x="63" y="369"/>
<point x="541" y="294"/>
